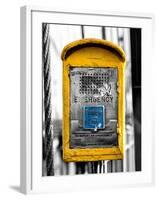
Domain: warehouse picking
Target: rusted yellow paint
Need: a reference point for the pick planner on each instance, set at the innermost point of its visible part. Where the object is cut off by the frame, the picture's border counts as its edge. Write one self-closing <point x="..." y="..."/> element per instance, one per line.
<point x="95" y="53"/>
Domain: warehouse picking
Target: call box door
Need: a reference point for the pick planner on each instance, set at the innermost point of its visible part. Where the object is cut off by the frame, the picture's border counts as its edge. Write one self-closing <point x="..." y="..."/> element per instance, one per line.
<point x="93" y="107"/>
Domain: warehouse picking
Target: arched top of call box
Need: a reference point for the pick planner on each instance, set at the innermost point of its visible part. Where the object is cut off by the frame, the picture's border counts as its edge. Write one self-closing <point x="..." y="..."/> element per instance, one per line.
<point x="92" y="42"/>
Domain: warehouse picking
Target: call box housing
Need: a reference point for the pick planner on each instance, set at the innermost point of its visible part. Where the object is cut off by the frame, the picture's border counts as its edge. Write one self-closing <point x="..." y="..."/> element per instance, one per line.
<point x="93" y="101"/>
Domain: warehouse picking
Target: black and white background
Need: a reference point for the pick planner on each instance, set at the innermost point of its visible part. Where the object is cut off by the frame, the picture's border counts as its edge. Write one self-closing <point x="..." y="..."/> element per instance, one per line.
<point x="55" y="37"/>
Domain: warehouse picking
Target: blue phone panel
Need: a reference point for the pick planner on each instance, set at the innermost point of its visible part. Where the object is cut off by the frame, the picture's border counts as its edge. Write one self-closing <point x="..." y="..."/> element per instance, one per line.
<point x="93" y="117"/>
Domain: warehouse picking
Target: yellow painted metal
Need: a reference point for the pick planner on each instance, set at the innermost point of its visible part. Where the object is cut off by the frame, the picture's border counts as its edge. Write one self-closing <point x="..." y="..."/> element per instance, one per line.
<point x="95" y="53"/>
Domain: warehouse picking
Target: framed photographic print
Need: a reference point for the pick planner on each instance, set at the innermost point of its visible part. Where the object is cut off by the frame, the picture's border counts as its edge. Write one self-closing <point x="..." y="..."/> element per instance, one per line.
<point x="86" y="116"/>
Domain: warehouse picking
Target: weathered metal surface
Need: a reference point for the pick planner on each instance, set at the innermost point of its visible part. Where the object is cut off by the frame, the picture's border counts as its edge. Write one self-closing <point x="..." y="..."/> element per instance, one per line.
<point x="73" y="46"/>
<point x="93" y="107"/>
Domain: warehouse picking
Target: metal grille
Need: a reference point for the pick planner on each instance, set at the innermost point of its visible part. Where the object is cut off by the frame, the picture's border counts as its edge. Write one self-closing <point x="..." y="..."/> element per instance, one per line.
<point x="90" y="83"/>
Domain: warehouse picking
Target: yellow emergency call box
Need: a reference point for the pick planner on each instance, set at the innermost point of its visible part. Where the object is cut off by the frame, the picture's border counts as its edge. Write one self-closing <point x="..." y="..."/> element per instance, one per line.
<point x="93" y="100"/>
